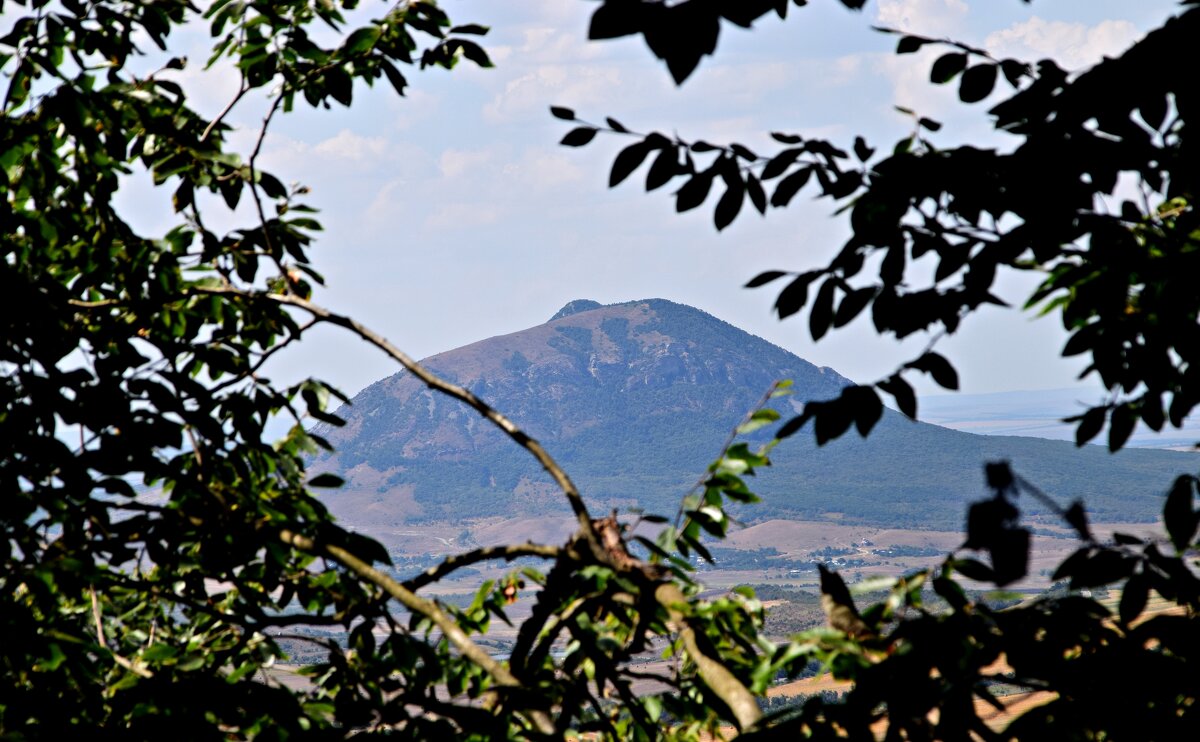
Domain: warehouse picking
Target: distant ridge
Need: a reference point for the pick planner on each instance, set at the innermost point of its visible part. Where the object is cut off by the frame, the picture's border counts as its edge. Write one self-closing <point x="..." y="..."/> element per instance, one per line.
<point x="1039" y="414"/>
<point x="634" y="399"/>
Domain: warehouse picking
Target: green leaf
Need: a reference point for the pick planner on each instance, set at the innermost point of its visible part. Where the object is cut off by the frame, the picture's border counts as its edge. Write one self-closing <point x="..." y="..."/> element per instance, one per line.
<point x="852" y="304"/>
<point x="930" y="124"/>
<point x="579" y="136"/>
<point x="1120" y="426"/>
<point x="1089" y="424"/>
<point x="762" y="279"/>
<point x="361" y="41"/>
<point x="1076" y="517"/>
<point x="664" y="167"/>
<point x="820" y="317"/>
<point x="861" y="150"/>
<point x="789" y="186"/>
<point x="1179" y="514"/>
<point x="730" y="204"/>
<point x="865" y="407"/>
<point x="780" y="163"/>
<point x="946" y="67"/>
<point x="627" y="161"/>
<point x="910" y="44"/>
<point x="795" y="295"/>
<point x="473" y="29"/>
<point x="54" y="661"/>
<point x="473" y="52"/>
<point x="326" y="480"/>
<point x="1133" y="598"/>
<point x="759" y="419"/>
<point x="937" y="367"/>
<point x="758" y="196"/>
<point x="977" y="83"/>
<point x="559" y="112"/>
<point x="973" y="569"/>
<point x="159" y="652"/>
<point x="693" y="192"/>
<point x="902" y="392"/>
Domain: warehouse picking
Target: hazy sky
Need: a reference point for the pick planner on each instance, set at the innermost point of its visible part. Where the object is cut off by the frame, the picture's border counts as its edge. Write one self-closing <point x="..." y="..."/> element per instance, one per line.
<point x="452" y="214"/>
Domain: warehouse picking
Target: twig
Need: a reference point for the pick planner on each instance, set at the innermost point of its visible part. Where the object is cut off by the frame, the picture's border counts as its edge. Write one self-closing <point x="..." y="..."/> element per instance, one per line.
<point x="718" y="678"/>
<point x="520" y="437"/>
<point x="250" y="372"/>
<point x="680" y="522"/>
<point x="195" y="446"/>
<point x="451" y="630"/>
<point x="253" y="182"/>
<point x="93" y="304"/>
<point x="122" y="661"/>
<point x="507" y="553"/>
<point x="131" y="667"/>
<point x="96" y="616"/>
<point x="242" y="90"/>
<point x="715" y="675"/>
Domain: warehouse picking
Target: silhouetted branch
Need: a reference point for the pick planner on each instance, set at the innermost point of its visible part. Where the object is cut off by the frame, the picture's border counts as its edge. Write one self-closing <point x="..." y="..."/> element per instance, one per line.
<point x="715" y="675"/>
<point x="450" y="629"/>
<point x="507" y="553"/>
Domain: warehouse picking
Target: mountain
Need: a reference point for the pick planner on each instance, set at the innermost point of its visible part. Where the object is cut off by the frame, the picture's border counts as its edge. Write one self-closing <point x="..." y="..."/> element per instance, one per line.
<point x="635" y="399"/>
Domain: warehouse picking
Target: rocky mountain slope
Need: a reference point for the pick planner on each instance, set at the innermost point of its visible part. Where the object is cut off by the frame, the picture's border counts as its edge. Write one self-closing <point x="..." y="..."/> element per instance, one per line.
<point x="635" y="399"/>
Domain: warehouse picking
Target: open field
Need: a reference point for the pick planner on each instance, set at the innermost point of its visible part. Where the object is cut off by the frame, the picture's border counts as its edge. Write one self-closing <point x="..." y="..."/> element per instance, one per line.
<point x="790" y="592"/>
<point x="787" y="548"/>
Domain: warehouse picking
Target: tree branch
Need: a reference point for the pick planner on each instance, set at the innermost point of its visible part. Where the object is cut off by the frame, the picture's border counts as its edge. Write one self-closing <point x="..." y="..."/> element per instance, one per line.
<point x="266" y="355"/>
<point x="507" y="553"/>
<point x="122" y="661"/>
<point x="451" y="630"/>
<point x="243" y="88"/>
<point x="715" y="675"/>
<point x="520" y="437"/>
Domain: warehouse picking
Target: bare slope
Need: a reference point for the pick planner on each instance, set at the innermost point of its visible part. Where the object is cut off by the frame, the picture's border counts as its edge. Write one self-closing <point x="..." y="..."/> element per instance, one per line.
<point x="635" y="398"/>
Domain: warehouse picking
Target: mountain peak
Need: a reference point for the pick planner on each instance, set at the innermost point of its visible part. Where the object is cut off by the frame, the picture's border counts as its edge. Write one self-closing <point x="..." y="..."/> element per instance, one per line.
<point x="630" y="398"/>
<point x="575" y="307"/>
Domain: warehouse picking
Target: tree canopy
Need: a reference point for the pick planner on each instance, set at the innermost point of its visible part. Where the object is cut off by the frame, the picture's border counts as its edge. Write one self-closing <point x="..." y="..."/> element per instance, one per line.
<point x="158" y="547"/>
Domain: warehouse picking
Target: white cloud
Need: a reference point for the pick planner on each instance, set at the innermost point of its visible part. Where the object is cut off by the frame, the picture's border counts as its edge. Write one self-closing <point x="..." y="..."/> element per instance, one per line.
<point x="416" y="107"/>
<point x="506" y="175"/>
<point x="461" y="215"/>
<point x="541" y="169"/>
<point x="745" y="84"/>
<point x="911" y="88"/>
<point x="733" y="129"/>
<point x="843" y="70"/>
<point x="343" y="153"/>
<point x="539" y="45"/>
<point x="455" y="162"/>
<point x="1072" y="45"/>
<point x="909" y="73"/>
<point x="925" y="17"/>
<point x="577" y="85"/>
<point x="549" y="64"/>
<point x="346" y="145"/>
<point x="389" y="201"/>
